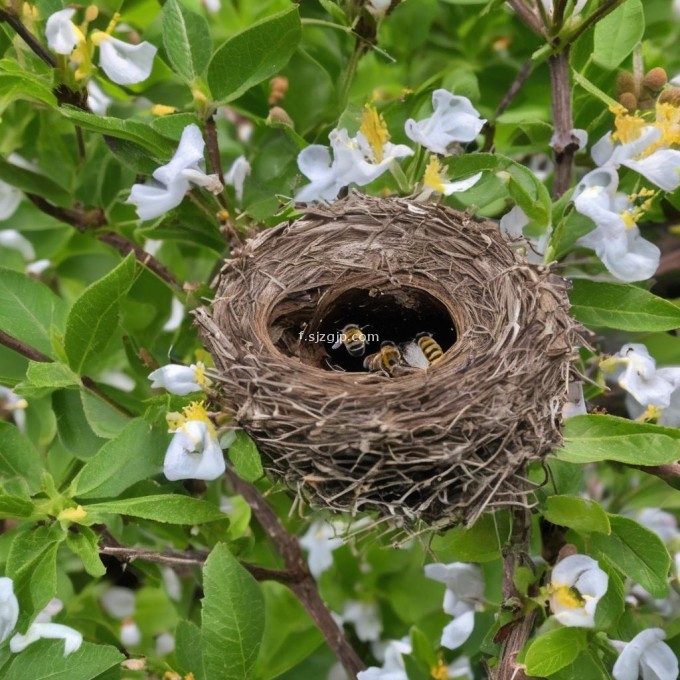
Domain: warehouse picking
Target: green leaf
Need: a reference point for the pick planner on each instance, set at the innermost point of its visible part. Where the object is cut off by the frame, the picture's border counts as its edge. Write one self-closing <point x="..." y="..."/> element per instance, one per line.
<point x="93" y="319"/>
<point x="164" y="508"/>
<point x="34" y="183"/>
<point x="132" y="155"/>
<point x="45" y="660"/>
<point x="84" y="544"/>
<point x="135" y="454"/>
<point x="13" y="507"/>
<point x="105" y="421"/>
<point x="246" y="458"/>
<point x="18" y="457"/>
<point x="482" y="542"/>
<point x="28" y="308"/>
<point x="637" y="552"/>
<point x="254" y="55"/>
<point x="189" y="650"/>
<point x="612" y="604"/>
<point x="625" y="307"/>
<point x="554" y="650"/>
<point x="187" y="41"/>
<point x="618" y="33"/>
<point x="74" y="430"/>
<point x="581" y="514"/>
<point x="15" y="86"/>
<point x="588" y="439"/>
<point x="232" y="617"/>
<point x="43" y="378"/>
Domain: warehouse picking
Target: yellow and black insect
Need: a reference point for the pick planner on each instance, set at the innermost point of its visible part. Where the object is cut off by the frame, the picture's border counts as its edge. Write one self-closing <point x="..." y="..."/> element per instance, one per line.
<point x="354" y="340"/>
<point x="385" y="360"/>
<point x="430" y="348"/>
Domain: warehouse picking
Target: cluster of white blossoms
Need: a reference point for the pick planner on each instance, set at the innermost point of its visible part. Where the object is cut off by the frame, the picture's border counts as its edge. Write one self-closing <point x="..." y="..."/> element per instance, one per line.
<point x="652" y="393"/>
<point x="42" y="627"/>
<point x="194" y="451"/>
<point x="363" y="158"/>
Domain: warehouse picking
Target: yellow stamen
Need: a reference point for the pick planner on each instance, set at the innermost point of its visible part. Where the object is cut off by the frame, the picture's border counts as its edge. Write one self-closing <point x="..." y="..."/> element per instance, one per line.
<point x="433" y="176"/>
<point x="195" y="411"/>
<point x="373" y="127"/>
<point x="569" y="597"/>
<point x="98" y="37"/>
<point x="189" y="676"/>
<point x="91" y="13"/>
<point x="652" y="413"/>
<point x="628" y="127"/>
<point x="77" y="514"/>
<point x="668" y="121"/>
<point x="112" y="24"/>
<point x="439" y="672"/>
<point x="201" y="378"/>
<point x="628" y="219"/>
<point x="162" y="110"/>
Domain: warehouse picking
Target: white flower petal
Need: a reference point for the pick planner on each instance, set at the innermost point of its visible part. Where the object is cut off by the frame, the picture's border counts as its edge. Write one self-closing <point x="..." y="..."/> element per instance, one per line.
<point x="97" y="99"/>
<point x="320" y="540"/>
<point x="663" y="524"/>
<point x="648" y="655"/>
<point x="176" y="379"/>
<point x="603" y="149"/>
<point x="126" y="64"/>
<point x="165" y="644"/>
<point x="9" y="608"/>
<point x="60" y="32"/>
<point x="461" y="185"/>
<point x="236" y="177"/>
<point x="513" y="222"/>
<point x="130" y="635"/>
<point x="575" y="404"/>
<point x="172" y="583"/>
<point x="456" y="633"/>
<point x="176" y="315"/>
<point x="194" y="453"/>
<point x="661" y="168"/>
<point x="47" y="631"/>
<point x="189" y="154"/>
<point x="212" y="6"/>
<point x="365" y="617"/>
<point x="11" y="238"/>
<point x="52" y="608"/>
<point x="10" y="197"/>
<point x="120" y="603"/>
<point x="154" y="200"/>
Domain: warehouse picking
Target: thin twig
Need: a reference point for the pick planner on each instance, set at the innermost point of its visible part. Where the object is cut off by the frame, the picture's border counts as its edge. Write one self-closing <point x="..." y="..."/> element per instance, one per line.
<point x="213" y="147"/>
<point x="304" y="587"/>
<point x="670" y="471"/>
<point x="528" y="16"/>
<point x="28" y="37"/>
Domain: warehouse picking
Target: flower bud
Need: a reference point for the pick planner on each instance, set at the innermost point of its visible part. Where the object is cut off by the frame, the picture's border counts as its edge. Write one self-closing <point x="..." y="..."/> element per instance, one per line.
<point x="629" y="101"/>
<point x="670" y="95"/>
<point x="655" y="79"/>
<point x="625" y="83"/>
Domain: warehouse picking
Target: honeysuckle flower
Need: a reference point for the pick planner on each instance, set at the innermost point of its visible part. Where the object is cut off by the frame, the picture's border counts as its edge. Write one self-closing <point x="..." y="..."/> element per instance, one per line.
<point x="320" y="540"/>
<point x="434" y="181"/>
<point x="194" y="452"/>
<point x="9" y="608"/>
<point x="62" y="35"/>
<point x="236" y="177"/>
<point x="453" y="120"/>
<point x="616" y="238"/>
<point x="512" y="225"/>
<point x="10" y="197"/>
<point x="47" y="631"/>
<point x="97" y="99"/>
<point x="576" y="586"/>
<point x="464" y="590"/>
<point x="393" y="667"/>
<point x="646" y="656"/>
<point x="365" y="617"/>
<point x="172" y="180"/>
<point x="644" y="146"/>
<point x="130" y="635"/>
<point x="11" y="238"/>
<point x="120" y="603"/>
<point x="663" y="524"/>
<point x="165" y="644"/>
<point x="180" y="380"/>
<point x="575" y="404"/>
<point x="15" y="404"/>
<point x="356" y="160"/>
<point x="123" y="63"/>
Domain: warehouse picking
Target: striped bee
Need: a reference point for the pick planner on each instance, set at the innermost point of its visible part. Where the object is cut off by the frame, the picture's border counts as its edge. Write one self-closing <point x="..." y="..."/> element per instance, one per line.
<point x="385" y="360"/>
<point x="354" y="340"/>
<point x="430" y="348"/>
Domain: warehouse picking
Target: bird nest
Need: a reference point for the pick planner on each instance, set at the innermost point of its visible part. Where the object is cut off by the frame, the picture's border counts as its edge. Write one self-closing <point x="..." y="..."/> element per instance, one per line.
<point x="438" y="444"/>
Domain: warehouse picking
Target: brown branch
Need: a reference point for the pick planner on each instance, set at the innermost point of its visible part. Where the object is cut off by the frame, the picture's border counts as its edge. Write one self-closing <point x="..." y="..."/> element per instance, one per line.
<point x="665" y="472"/>
<point x="565" y="143"/>
<point x="304" y="586"/>
<point x="21" y="30"/>
<point x="213" y="146"/>
<point x="529" y="18"/>
<point x="91" y="221"/>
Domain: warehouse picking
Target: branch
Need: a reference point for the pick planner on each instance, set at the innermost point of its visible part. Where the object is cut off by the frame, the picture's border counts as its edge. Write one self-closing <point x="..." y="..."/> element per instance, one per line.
<point x="600" y="13"/>
<point x="213" y="147"/>
<point x="529" y="18"/>
<point x="304" y="587"/>
<point x="28" y="37"/>
<point x="665" y="472"/>
<point x="91" y="221"/>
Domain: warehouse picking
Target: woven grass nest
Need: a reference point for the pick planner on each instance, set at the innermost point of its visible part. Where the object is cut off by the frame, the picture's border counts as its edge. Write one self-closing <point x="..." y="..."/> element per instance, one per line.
<point x="437" y="444"/>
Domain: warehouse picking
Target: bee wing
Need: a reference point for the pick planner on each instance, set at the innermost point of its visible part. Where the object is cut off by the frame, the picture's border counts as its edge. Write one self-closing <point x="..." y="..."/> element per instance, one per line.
<point x="337" y="343"/>
<point x="414" y="356"/>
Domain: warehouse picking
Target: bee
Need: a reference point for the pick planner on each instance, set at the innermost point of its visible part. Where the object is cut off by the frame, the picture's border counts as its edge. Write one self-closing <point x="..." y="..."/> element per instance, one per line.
<point x="385" y="360"/>
<point x="354" y="340"/>
<point x="430" y="348"/>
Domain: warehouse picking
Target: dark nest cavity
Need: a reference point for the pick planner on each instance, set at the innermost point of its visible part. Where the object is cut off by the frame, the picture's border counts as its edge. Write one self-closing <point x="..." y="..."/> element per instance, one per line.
<point x="439" y="444"/>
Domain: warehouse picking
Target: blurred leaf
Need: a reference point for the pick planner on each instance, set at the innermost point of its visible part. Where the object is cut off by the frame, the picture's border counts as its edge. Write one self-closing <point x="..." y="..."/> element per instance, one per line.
<point x="28" y="308"/>
<point x="232" y="618"/>
<point x="94" y="315"/>
<point x="254" y="55"/>
<point x="588" y="439"/>
<point x="13" y="507"/>
<point x="45" y="660"/>
<point x="637" y="552"/>
<point x="621" y="306"/>
<point x="169" y="508"/>
<point x="18" y="457"/>
<point x="246" y="458"/>
<point x="554" y="650"/>
<point x="186" y="38"/>
<point x="23" y="85"/>
<point x="84" y="543"/>
<point x="618" y="33"/>
<point x="74" y="430"/>
<point x="34" y="183"/>
<point x="135" y="454"/>
<point x="581" y="514"/>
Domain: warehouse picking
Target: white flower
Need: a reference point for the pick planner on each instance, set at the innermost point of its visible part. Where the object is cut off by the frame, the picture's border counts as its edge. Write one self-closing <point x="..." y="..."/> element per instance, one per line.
<point x="173" y="586"/>
<point x="663" y="524"/>
<point x="464" y="590"/>
<point x="434" y="181"/>
<point x="512" y="225"/>
<point x="9" y="608"/>
<point x="97" y="99"/>
<point x="52" y="608"/>
<point x="10" y="197"/>
<point x="176" y="315"/>
<point x="645" y="655"/>
<point x="194" y="453"/>
<point x="130" y="635"/>
<point x="123" y="63"/>
<point x="378" y="8"/>
<point x="212" y="6"/>
<point x="11" y="238"/>
<point x="320" y="540"/>
<point x="11" y="402"/>
<point x="575" y="404"/>
<point x="576" y="586"/>
<point x="454" y="119"/>
<point x="236" y="177"/>
<point x="616" y="238"/>
<point x="172" y="180"/>
<point x="47" y="631"/>
<point x="460" y="668"/>
<point x="365" y="617"/>
<point x="38" y="267"/>
<point x="60" y="32"/>
<point x="165" y="644"/>
<point x="180" y="380"/>
<point x="393" y="667"/>
<point x="120" y="603"/>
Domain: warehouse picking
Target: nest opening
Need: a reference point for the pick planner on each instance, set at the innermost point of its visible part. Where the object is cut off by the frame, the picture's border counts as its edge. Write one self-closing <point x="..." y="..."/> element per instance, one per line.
<point x="384" y="313"/>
